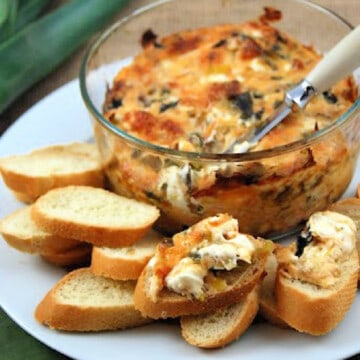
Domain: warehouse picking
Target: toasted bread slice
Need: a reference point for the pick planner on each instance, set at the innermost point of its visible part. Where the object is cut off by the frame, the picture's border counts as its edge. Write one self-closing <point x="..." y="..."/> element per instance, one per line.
<point x="267" y="302"/>
<point x="75" y="257"/>
<point x="82" y="301"/>
<point x="125" y="263"/>
<point x="21" y="232"/>
<point x="238" y="283"/>
<point x="316" y="311"/>
<point x="316" y="283"/>
<point x="23" y="197"/>
<point x="33" y="174"/>
<point x="223" y="326"/>
<point x="206" y="267"/>
<point x="351" y="208"/>
<point x="93" y="215"/>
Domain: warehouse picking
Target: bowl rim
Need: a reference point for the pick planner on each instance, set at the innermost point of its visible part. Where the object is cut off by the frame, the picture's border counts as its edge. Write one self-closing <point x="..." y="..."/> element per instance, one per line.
<point x="202" y="156"/>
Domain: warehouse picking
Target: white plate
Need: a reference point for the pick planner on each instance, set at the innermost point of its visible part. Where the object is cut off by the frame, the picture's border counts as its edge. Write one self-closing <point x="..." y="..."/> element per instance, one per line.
<point x="61" y="118"/>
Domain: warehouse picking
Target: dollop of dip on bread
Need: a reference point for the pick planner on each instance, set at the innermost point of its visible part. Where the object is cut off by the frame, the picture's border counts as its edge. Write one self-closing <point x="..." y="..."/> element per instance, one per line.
<point x="212" y="244"/>
<point x="326" y="242"/>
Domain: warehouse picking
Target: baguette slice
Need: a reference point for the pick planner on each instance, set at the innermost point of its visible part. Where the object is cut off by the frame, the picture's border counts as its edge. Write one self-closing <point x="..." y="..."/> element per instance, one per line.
<point x="82" y="301"/>
<point x="313" y="310"/>
<point x="33" y="174"/>
<point x="21" y="232"/>
<point x="170" y="304"/>
<point x="125" y="263"/>
<point x="317" y="278"/>
<point x="201" y="269"/>
<point x="223" y="326"/>
<point x="238" y="283"/>
<point x="93" y="215"/>
<point x="267" y="302"/>
<point x="351" y="208"/>
<point x="75" y="257"/>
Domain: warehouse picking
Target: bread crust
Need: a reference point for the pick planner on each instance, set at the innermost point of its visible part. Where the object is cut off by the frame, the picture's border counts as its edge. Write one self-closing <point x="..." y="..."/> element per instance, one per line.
<point x="308" y="308"/>
<point x="78" y="256"/>
<point x="243" y="313"/>
<point x="115" y="268"/>
<point x="170" y="304"/>
<point x="267" y="301"/>
<point x="69" y="317"/>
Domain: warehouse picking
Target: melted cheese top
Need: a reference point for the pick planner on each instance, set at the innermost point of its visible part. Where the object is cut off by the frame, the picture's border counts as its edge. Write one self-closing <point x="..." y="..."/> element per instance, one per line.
<point x="212" y="244"/>
<point x="200" y="90"/>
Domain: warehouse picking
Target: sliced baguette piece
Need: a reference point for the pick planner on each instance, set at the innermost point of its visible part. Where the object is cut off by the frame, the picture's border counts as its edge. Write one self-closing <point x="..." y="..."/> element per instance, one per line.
<point x="316" y="281"/>
<point x="223" y="326"/>
<point x="124" y="263"/>
<point x="239" y="283"/>
<point x="201" y="269"/>
<point x="21" y="232"/>
<point x="82" y="301"/>
<point x="313" y="310"/>
<point x="33" y="174"/>
<point x="93" y="215"/>
<point x="75" y="257"/>
<point x="23" y="197"/>
<point x="351" y="208"/>
<point x="267" y="301"/>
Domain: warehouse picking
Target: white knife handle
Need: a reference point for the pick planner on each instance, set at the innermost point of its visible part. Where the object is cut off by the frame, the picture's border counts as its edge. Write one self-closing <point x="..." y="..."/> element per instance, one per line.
<point x="339" y="62"/>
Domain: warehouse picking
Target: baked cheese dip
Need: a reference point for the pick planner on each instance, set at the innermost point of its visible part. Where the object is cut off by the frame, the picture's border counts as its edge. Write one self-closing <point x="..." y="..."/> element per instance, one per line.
<point x="200" y="91"/>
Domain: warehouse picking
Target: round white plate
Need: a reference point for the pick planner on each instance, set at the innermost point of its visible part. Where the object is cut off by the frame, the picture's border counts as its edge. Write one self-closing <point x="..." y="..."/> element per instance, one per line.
<point x="25" y="279"/>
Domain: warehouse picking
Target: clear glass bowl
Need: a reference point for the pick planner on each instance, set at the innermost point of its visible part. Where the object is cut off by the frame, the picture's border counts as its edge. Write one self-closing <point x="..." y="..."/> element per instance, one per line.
<point x="270" y="192"/>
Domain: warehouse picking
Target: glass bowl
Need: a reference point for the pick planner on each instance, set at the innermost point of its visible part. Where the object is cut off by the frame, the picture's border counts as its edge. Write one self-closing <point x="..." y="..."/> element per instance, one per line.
<point x="271" y="192"/>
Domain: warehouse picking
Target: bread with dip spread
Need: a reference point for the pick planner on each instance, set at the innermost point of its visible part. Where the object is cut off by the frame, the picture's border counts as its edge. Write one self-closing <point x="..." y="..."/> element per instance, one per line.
<point x="317" y="278"/>
<point x="93" y="215"/>
<point x="82" y="301"/>
<point x="33" y="174"/>
<point x="206" y="267"/>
